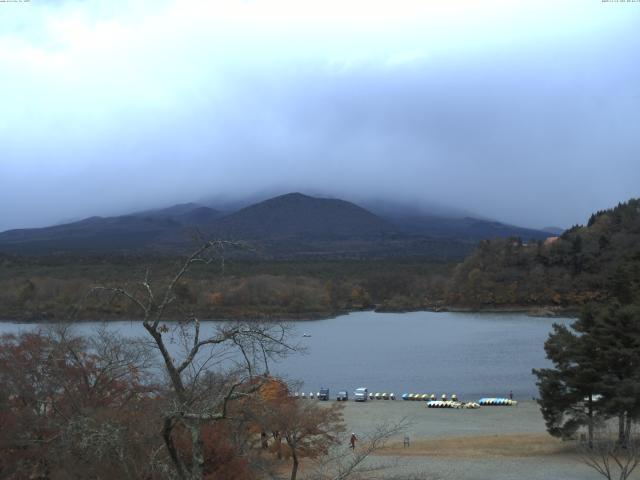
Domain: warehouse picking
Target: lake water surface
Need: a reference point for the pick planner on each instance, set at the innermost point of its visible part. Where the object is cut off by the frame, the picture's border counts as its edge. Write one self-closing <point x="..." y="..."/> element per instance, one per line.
<point x="470" y="354"/>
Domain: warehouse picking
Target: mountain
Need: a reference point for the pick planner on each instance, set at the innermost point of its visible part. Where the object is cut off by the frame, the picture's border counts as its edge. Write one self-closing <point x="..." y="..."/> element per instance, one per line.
<point x="301" y="216"/>
<point x="400" y="218"/>
<point x="287" y="226"/>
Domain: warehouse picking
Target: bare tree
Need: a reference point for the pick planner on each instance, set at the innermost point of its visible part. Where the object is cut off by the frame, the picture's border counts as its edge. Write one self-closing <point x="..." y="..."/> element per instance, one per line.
<point x="611" y="458"/>
<point x="209" y="371"/>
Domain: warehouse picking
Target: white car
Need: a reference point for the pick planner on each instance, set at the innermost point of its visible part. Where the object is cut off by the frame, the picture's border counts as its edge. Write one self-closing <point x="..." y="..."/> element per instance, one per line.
<point x="361" y="394"/>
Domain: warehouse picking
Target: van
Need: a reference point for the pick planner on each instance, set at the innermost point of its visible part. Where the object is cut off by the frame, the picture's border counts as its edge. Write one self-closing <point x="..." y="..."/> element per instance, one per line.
<point x="361" y="394"/>
<point x="323" y="394"/>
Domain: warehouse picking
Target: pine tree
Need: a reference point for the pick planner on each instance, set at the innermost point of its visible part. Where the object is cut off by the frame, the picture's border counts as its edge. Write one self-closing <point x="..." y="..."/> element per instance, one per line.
<point x="596" y="372"/>
<point x="570" y="392"/>
<point x="617" y="332"/>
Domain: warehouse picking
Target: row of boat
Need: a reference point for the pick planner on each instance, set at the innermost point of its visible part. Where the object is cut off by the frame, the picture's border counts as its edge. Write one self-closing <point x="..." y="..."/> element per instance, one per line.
<point x="426" y="397"/>
<point x="382" y="396"/>
<point x="372" y="396"/>
<point x="451" y="404"/>
<point x="498" y="401"/>
<point x="431" y="400"/>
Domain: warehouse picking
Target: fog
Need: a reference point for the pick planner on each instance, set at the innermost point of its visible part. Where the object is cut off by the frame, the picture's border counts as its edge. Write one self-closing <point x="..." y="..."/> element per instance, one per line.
<point x="527" y="112"/>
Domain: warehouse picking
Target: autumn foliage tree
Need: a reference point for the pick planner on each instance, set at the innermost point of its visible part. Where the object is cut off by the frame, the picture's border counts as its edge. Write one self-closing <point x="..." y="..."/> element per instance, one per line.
<point x="300" y="429"/>
<point x="72" y="407"/>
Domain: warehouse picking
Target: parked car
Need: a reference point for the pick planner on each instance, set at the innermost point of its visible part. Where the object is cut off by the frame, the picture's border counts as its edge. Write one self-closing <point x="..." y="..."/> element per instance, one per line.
<point x="343" y="396"/>
<point x="323" y="394"/>
<point x="361" y="394"/>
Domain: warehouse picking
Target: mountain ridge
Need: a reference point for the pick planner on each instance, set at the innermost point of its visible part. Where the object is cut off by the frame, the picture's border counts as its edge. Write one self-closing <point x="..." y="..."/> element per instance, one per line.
<point x="294" y="221"/>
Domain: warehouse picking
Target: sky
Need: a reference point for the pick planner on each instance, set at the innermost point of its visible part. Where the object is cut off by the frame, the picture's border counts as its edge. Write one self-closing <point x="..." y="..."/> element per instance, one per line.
<point x="523" y="111"/>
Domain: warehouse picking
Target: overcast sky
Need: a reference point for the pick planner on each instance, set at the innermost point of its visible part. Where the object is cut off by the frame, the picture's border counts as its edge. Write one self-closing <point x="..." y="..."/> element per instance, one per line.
<point x="524" y="111"/>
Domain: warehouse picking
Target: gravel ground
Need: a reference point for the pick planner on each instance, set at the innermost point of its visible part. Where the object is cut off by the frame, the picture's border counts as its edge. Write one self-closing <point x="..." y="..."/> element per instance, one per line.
<point x="434" y="423"/>
<point x="487" y="426"/>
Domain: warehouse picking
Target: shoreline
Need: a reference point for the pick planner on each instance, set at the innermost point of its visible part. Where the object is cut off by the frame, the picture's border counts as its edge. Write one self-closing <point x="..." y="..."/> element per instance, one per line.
<point x="542" y="311"/>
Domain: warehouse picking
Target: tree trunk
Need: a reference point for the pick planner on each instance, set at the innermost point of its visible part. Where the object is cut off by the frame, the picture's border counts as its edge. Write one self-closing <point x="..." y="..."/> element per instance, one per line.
<point x="590" y="424"/>
<point x="292" y="442"/>
<point x="627" y="431"/>
<point x="278" y="440"/>
<point x="294" y="468"/>
<point x="621" y="434"/>
<point x="173" y="452"/>
<point x="197" y="452"/>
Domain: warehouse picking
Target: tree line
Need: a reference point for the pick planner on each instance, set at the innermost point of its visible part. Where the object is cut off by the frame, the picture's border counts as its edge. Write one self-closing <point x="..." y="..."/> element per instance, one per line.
<point x="47" y="289"/>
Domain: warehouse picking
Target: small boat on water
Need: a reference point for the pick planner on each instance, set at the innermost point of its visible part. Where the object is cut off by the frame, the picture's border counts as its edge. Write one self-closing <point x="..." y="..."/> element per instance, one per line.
<point x="306" y="335"/>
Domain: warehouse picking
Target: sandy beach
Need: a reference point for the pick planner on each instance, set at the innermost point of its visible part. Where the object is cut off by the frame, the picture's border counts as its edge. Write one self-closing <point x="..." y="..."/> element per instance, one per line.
<point x="497" y="443"/>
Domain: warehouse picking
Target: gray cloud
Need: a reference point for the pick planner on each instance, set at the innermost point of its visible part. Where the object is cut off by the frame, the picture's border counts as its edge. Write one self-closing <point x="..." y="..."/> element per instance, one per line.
<point x="531" y="117"/>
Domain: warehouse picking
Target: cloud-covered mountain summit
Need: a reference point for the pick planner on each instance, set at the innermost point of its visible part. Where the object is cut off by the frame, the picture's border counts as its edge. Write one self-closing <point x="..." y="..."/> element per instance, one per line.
<point x="286" y="225"/>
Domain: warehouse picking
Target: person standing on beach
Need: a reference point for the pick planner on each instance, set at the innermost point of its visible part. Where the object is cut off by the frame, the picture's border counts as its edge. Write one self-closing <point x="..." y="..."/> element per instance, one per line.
<point x="510" y="394"/>
<point x="353" y="440"/>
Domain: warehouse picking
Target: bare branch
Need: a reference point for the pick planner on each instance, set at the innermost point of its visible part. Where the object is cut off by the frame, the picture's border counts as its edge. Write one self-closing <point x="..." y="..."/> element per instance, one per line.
<point x="610" y="458"/>
<point x="124" y="293"/>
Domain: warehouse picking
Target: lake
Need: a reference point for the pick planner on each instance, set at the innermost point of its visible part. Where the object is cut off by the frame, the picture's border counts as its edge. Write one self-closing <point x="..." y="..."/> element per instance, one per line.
<point x="469" y="354"/>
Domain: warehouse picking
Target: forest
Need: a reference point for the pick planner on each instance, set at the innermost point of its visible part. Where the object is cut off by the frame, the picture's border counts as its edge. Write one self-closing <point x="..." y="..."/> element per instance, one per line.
<point x="50" y="288"/>
<point x="567" y="272"/>
<point x="559" y="274"/>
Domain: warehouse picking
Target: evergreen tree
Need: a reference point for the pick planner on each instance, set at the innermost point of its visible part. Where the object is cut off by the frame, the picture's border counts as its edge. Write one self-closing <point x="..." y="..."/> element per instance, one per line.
<point x="570" y="392"/>
<point x="617" y="332"/>
<point x="596" y="372"/>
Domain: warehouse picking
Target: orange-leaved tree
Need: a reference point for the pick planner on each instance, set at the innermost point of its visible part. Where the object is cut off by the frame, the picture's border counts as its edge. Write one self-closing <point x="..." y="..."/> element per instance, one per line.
<point x="307" y="429"/>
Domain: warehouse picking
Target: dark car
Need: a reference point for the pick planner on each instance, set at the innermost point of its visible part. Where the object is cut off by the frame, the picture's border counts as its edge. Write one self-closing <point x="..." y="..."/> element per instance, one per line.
<point x="324" y="394"/>
<point x="343" y="396"/>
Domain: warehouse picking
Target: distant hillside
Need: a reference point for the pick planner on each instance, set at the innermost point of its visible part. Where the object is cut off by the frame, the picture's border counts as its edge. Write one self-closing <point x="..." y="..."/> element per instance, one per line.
<point x="160" y="229"/>
<point x="290" y="226"/>
<point x="463" y="228"/>
<point x="184" y="214"/>
<point x="91" y="234"/>
<point x="567" y="271"/>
